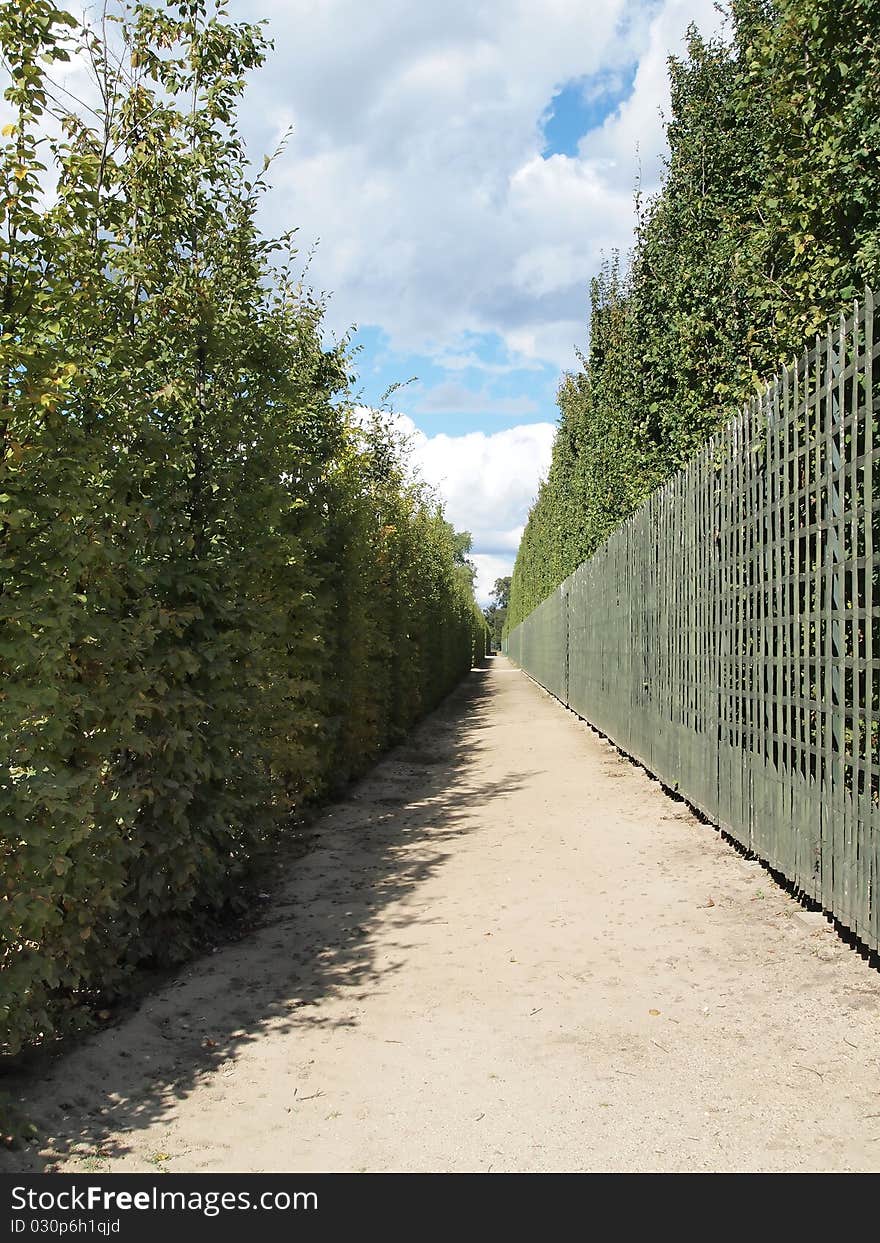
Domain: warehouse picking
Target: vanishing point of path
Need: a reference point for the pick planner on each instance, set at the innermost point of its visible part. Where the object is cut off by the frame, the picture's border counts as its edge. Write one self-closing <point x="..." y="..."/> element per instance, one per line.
<point x="507" y="949"/>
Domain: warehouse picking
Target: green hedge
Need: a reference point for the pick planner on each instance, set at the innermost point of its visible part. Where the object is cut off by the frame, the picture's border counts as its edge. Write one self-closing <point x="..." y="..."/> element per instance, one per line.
<point x="220" y="596"/>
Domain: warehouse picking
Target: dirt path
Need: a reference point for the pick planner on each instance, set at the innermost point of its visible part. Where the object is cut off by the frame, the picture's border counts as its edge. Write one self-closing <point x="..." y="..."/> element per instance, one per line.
<point x="508" y="950"/>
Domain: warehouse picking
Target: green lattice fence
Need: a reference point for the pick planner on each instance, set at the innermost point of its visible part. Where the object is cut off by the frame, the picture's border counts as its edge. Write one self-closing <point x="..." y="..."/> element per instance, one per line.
<point x="728" y="633"/>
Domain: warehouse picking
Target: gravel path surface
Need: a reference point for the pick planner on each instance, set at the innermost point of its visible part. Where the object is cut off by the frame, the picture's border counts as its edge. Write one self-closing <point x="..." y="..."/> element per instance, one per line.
<point x="508" y="949"/>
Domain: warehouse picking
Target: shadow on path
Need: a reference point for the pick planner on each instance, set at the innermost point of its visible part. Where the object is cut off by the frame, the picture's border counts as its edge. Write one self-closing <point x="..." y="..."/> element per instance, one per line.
<point x="370" y="854"/>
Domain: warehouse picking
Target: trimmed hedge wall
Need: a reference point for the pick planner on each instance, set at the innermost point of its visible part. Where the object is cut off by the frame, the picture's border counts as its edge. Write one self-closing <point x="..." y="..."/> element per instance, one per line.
<point x="220" y="595"/>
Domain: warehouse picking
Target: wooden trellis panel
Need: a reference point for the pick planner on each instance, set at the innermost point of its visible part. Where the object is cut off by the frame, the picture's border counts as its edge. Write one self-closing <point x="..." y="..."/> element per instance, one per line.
<point x="727" y="634"/>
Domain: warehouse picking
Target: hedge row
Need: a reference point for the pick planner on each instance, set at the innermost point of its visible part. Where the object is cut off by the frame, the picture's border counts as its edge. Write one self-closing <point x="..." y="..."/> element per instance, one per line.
<point x="220" y="595"/>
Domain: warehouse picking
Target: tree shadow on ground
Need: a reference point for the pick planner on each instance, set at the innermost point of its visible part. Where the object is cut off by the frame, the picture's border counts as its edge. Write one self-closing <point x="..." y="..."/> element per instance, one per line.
<point x="370" y="854"/>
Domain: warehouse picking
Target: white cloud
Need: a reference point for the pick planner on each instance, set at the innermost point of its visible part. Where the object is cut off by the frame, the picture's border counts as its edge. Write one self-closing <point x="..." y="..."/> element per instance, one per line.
<point x="450" y="397"/>
<point x="637" y="124"/>
<point x="471" y="361"/>
<point x="416" y="157"/>
<point x="489" y="568"/>
<point x="553" y="342"/>
<point x="487" y="482"/>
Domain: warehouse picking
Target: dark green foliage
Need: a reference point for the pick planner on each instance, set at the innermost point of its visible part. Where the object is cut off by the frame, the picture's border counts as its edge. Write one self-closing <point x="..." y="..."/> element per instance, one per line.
<point x="219" y="596"/>
<point x="501" y="592"/>
<point x="767" y="225"/>
<point x="496" y="612"/>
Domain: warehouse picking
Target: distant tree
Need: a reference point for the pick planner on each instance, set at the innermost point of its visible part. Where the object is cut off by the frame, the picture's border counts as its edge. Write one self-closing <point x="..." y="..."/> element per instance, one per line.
<point x="463" y="542"/>
<point x="496" y="612"/>
<point x="500" y="593"/>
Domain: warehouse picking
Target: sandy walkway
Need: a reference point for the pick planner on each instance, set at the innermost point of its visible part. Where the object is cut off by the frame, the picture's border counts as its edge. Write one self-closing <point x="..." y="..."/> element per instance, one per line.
<point x="508" y="950"/>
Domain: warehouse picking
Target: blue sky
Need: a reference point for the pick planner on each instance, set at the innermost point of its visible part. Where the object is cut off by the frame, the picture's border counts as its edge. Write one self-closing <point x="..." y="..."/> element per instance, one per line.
<point x="457" y="173"/>
<point x="481" y="386"/>
<point x="584" y="105"/>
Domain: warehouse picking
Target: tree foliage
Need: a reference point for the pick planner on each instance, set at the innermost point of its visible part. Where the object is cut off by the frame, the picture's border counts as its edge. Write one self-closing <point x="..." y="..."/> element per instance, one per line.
<point x="220" y="596"/>
<point x="766" y="226"/>
<point x="496" y="612"/>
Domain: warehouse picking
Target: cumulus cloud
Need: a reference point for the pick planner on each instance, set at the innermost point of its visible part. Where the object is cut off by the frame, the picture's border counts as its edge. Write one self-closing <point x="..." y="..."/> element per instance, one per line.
<point x="417" y="156"/>
<point x="451" y="397"/>
<point x="487" y="481"/>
